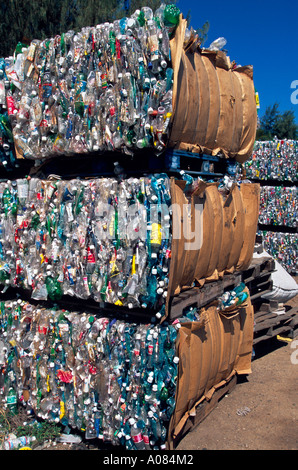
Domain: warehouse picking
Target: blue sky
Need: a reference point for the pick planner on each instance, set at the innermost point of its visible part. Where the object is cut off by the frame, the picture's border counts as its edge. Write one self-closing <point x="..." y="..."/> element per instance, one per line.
<point x="261" y="33"/>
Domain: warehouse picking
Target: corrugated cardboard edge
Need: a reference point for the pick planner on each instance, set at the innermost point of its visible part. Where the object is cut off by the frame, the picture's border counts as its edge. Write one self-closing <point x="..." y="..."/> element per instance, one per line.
<point x="250" y="194"/>
<point x="176" y="45"/>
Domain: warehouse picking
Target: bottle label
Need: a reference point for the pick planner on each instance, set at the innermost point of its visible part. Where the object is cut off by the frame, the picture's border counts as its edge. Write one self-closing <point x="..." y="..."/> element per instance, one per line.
<point x="146" y="439"/>
<point x="90" y="257"/>
<point x="156" y="234"/>
<point x="70" y="277"/>
<point x="10" y="105"/>
<point x="2" y="93"/>
<point x="42" y="329"/>
<point x="11" y="400"/>
<point x="150" y="349"/>
<point x="85" y="282"/>
<point x="138" y="438"/>
<point x="63" y="327"/>
<point x="47" y="90"/>
<point x="69" y="212"/>
<point x="23" y="190"/>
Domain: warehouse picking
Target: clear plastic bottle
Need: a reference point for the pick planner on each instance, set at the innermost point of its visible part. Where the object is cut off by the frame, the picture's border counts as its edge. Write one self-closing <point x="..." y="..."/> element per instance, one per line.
<point x="136" y="434"/>
<point x="18" y="442"/>
<point x="153" y="44"/>
<point x="218" y="44"/>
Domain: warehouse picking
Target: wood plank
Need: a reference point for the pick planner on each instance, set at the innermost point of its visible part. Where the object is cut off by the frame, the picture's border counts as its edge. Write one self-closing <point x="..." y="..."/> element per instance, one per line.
<point x="265" y="316"/>
<point x="266" y="324"/>
<point x="277" y="331"/>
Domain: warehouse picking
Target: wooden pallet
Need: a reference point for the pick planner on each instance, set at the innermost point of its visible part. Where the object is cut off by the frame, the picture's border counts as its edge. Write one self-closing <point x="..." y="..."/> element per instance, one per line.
<point x="201" y="296"/>
<point x="271" y="320"/>
<point x="257" y="278"/>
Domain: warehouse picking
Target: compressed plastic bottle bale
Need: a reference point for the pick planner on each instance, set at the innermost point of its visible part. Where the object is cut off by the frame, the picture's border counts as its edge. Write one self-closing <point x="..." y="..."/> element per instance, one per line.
<point x="96" y="374"/>
<point x="110" y="88"/>
<point x="103" y="239"/>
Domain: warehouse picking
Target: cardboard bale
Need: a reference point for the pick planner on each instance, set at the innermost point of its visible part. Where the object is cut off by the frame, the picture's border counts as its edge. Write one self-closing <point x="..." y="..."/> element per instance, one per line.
<point x="213" y="233"/>
<point x="210" y="352"/>
<point x="214" y="108"/>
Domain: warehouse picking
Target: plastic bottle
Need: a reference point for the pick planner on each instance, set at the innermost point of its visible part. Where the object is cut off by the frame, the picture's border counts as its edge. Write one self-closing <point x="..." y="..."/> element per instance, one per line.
<point x="218" y="44"/>
<point x="145" y="434"/>
<point x="137" y="436"/>
<point x="171" y="17"/>
<point x="149" y="300"/>
<point x="188" y="179"/>
<point x="18" y="442"/>
<point x="11" y="108"/>
<point x="155" y="236"/>
<point x="155" y="425"/>
<point x="153" y="44"/>
<point x="12" y="401"/>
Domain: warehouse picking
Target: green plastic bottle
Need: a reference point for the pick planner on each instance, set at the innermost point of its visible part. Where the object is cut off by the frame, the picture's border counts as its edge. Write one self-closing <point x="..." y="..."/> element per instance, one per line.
<point x="54" y="288"/>
<point x="171" y="17"/>
<point x="12" y="401"/>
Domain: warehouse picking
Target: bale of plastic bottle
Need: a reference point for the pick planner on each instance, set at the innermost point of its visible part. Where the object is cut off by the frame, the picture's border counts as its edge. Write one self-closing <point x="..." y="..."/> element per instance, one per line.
<point x="104" y="88"/>
<point x="283" y="247"/>
<point x="279" y="206"/>
<point x="273" y="160"/>
<point x="124" y="383"/>
<point x="132" y="242"/>
<point x="100" y="239"/>
<point x="114" y="380"/>
<point x="126" y="86"/>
